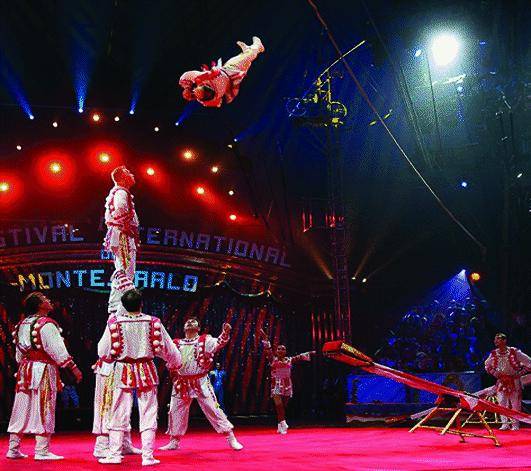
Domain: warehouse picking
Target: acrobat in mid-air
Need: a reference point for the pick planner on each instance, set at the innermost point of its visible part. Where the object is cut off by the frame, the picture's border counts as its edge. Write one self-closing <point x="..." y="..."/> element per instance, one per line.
<point x="210" y="85"/>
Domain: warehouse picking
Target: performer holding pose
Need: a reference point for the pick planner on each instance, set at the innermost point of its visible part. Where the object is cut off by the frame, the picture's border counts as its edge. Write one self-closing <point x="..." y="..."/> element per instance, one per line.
<point x="508" y="365"/>
<point x="122" y="238"/>
<point x="132" y="339"/>
<point x="191" y="382"/>
<point x="281" y="386"/>
<point x="40" y="352"/>
<point x="210" y="86"/>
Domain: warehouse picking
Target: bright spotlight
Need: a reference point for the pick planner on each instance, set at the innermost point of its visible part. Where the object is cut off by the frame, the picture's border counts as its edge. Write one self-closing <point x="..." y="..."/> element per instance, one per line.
<point x="464" y="184"/>
<point x="19" y="147"/>
<point x="364" y="280"/>
<point x="231" y="192"/>
<point x="418" y="52"/>
<point x="55" y="167"/>
<point x="131" y="111"/>
<point x="475" y="276"/>
<point x="200" y="190"/>
<point x="188" y="154"/>
<point x="156" y="129"/>
<point x="233" y="217"/>
<point x="80" y="110"/>
<point x="444" y="49"/>
<point x="117" y="118"/>
<point x="31" y="116"/>
<point x="104" y="158"/>
<point x="150" y="171"/>
<point x="519" y="175"/>
<point x="4" y="187"/>
<point x="214" y="169"/>
<point x="96" y="117"/>
<point x="55" y="124"/>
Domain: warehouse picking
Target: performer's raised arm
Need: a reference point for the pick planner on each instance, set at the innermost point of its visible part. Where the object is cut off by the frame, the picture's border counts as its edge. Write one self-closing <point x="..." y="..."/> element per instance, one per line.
<point x="214" y="344"/>
<point x="307" y="356"/>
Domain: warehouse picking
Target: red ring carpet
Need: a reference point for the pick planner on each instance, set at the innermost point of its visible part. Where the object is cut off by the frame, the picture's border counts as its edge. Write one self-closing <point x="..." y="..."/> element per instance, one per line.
<point x="315" y="448"/>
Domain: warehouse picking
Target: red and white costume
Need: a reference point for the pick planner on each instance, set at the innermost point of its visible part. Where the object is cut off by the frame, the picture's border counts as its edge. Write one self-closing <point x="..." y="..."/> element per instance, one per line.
<point x="122" y="239"/>
<point x="191" y="382"/>
<point x="508" y="368"/>
<point x="40" y="352"/>
<point x="130" y="342"/>
<point x="224" y="79"/>
<point x="281" y="384"/>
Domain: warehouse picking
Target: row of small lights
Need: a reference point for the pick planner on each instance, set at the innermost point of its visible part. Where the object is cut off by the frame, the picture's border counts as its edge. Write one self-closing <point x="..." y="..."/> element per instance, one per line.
<point x="56" y="168"/>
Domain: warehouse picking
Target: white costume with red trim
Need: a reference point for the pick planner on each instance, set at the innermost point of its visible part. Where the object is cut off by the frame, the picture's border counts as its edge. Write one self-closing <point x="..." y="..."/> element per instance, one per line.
<point x="122" y="239"/>
<point x="131" y="341"/>
<point x="281" y="384"/>
<point x="508" y="368"/>
<point x="40" y="352"/>
<point x="224" y="79"/>
<point x="191" y="382"/>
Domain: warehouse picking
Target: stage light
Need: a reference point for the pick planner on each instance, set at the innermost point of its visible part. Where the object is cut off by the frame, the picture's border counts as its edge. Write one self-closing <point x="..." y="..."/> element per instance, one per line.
<point x="231" y="192"/>
<point x="188" y="154"/>
<point x="31" y="117"/>
<point x="177" y="123"/>
<point x="444" y="49"/>
<point x="4" y="187"/>
<point x="96" y="117"/>
<point x="104" y="157"/>
<point x="364" y="280"/>
<point x="354" y="278"/>
<point x="235" y="139"/>
<point x="19" y="147"/>
<point x="418" y="52"/>
<point x="55" y="167"/>
<point x="80" y="110"/>
<point x="200" y="190"/>
<point x="214" y="169"/>
<point x="519" y="175"/>
<point x="156" y="129"/>
<point x="464" y="184"/>
<point x="229" y="146"/>
<point x="150" y="171"/>
<point x="475" y="276"/>
<point x="131" y="111"/>
<point x="55" y="124"/>
<point x="233" y="217"/>
<point x="459" y="89"/>
<point x="117" y="118"/>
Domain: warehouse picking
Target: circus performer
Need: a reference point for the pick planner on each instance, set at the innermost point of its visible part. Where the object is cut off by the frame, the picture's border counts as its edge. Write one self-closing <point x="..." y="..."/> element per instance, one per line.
<point x="191" y="382"/>
<point x="104" y="376"/>
<point x="508" y="365"/>
<point x="281" y="385"/>
<point x="40" y="352"/>
<point x="222" y="81"/>
<point x="132" y="339"/>
<point x="122" y="238"/>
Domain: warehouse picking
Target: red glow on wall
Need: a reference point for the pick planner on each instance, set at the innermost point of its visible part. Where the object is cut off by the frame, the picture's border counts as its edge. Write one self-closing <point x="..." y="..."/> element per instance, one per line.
<point x="10" y="189"/>
<point x="55" y="170"/>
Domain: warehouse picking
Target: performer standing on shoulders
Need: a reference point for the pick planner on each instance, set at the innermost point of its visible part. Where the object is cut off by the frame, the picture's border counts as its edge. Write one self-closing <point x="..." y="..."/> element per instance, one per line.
<point x="507" y="365"/>
<point x="40" y="352"/>
<point x="210" y="86"/>
<point x="132" y="339"/>
<point x="122" y="238"/>
<point x="191" y="382"/>
<point x="281" y="385"/>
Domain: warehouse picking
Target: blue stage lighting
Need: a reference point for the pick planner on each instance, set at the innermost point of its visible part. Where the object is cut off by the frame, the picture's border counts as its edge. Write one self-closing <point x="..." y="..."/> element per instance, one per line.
<point x="460" y="88"/>
<point x="131" y="111"/>
<point x="31" y="116"/>
<point x="80" y="110"/>
<point x="464" y="184"/>
<point x="14" y="85"/>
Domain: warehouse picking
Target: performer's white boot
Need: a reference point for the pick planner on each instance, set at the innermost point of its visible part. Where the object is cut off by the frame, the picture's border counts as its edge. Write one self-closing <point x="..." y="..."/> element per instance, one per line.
<point x="115" y="448"/>
<point x="148" y="442"/>
<point x="234" y="444"/>
<point x="14" y="453"/>
<point x="101" y="447"/>
<point x="128" y="448"/>
<point x="257" y="44"/>
<point x="282" y="427"/>
<point x="173" y="444"/>
<point x="42" y="449"/>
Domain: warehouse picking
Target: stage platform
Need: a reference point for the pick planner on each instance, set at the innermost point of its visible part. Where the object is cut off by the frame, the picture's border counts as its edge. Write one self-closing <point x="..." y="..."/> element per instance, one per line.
<point x="309" y="448"/>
